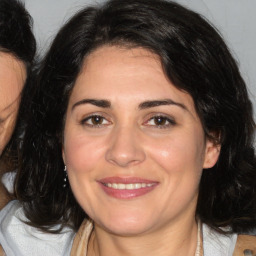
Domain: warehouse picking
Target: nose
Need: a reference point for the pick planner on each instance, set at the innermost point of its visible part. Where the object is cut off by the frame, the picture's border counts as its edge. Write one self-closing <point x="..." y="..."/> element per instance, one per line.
<point x="125" y="148"/>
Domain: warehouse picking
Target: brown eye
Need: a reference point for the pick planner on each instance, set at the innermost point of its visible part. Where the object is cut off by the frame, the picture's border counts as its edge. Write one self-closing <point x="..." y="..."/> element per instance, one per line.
<point x="97" y="120"/>
<point x="160" y="120"/>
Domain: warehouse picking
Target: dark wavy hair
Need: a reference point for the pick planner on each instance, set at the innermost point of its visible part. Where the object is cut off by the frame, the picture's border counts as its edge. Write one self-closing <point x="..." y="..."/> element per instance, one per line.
<point x="16" y="36"/>
<point x="16" y="39"/>
<point x="194" y="58"/>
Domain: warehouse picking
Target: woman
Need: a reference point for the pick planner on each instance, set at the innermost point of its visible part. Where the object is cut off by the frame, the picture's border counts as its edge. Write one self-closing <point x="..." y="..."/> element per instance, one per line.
<point x="139" y="138"/>
<point x="17" y="50"/>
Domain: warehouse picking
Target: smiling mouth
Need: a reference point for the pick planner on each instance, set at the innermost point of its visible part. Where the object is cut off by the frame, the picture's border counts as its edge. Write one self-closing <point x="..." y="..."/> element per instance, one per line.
<point x="130" y="186"/>
<point x="127" y="187"/>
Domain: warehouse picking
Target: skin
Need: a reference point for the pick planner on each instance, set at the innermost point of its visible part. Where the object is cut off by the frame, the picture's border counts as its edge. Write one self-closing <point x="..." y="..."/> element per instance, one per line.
<point x="12" y="79"/>
<point x="130" y="138"/>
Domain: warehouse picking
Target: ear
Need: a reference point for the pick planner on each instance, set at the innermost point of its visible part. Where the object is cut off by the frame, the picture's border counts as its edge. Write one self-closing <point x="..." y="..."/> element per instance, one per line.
<point x="212" y="152"/>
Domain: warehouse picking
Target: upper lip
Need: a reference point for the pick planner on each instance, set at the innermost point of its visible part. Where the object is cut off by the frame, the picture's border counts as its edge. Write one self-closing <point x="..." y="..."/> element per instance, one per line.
<point x="126" y="180"/>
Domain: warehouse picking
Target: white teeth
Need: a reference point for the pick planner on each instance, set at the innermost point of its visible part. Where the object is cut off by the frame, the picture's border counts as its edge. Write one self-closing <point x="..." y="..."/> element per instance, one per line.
<point x="128" y="186"/>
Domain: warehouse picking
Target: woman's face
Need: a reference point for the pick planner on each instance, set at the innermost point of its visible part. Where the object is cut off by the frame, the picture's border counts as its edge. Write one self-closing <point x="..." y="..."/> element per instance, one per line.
<point x="12" y="79"/>
<point x="133" y="143"/>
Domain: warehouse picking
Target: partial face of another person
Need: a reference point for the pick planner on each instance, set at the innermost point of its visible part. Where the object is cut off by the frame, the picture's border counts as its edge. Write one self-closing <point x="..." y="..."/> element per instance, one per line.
<point x="133" y="144"/>
<point x="12" y="79"/>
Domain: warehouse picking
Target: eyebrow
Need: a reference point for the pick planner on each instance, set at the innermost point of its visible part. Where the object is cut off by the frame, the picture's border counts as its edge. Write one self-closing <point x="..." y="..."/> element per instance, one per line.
<point x="98" y="103"/>
<point x="164" y="102"/>
<point x="143" y="105"/>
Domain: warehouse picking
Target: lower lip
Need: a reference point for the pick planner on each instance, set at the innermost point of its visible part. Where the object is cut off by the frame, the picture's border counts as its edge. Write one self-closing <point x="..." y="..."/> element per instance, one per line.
<point x="127" y="193"/>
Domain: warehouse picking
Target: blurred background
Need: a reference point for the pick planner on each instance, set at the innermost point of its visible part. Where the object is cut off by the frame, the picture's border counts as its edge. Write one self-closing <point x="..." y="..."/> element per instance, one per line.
<point x="235" y="19"/>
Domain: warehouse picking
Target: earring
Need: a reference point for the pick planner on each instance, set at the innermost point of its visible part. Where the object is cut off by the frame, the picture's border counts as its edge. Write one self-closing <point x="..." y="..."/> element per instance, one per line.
<point x="65" y="177"/>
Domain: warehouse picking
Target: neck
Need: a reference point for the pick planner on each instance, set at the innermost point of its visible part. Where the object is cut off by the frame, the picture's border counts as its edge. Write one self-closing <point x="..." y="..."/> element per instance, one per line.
<point x="178" y="239"/>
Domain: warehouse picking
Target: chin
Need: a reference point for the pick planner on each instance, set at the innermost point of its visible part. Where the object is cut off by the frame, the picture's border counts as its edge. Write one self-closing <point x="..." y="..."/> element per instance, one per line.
<point x="127" y="225"/>
<point x="126" y="230"/>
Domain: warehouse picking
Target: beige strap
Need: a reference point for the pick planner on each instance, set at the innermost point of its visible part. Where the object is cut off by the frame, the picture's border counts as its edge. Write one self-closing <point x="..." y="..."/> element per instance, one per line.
<point x="245" y="246"/>
<point x="81" y="239"/>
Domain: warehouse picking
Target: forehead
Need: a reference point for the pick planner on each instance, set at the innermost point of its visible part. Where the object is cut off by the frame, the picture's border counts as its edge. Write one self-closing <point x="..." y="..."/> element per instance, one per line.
<point x="12" y="79"/>
<point x="114" y="73"/>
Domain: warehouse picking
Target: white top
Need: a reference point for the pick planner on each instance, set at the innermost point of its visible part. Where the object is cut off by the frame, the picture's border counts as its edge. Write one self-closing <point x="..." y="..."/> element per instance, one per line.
<point x="19" y="239"/>
<point x="216" y="244"/>
<point x="8" y="180"/>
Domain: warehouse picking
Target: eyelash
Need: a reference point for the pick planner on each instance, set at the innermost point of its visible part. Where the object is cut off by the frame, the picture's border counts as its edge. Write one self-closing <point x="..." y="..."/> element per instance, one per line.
<point x="170" y="121"/>
<point x="88" y="121"/>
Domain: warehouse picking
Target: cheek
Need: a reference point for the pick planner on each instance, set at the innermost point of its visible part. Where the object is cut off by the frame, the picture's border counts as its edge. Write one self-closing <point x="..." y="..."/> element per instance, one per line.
<point x="179" y="153"/>
<point x="81" y="153"/>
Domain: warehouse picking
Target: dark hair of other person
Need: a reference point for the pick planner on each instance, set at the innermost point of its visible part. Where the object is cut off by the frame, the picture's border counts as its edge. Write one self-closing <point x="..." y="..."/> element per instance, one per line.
<point x="16" y="35"/>
<point x="195" y="59"/>
<point x="17" y="39"/>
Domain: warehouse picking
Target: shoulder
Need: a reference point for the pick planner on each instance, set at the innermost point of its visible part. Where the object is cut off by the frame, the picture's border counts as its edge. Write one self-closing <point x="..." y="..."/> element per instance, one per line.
<point x="215" y="243"/>
<point x="18" y="238"/>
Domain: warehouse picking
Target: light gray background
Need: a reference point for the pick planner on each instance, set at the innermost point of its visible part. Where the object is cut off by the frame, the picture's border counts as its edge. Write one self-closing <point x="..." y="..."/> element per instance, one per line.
<point x="235" y="19"/>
